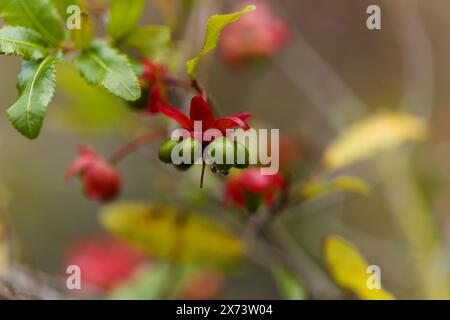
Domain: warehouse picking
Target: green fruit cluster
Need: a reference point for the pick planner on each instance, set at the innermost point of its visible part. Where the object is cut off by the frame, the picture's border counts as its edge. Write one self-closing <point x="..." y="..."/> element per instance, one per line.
<point x="223" y="154"/>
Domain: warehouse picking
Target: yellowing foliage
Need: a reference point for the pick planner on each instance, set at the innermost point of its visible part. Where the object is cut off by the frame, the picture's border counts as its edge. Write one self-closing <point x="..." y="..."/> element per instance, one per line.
<point x="349" y="269"/>
<point x="370" y="136"/>
<point x="317" y="188"/>
<point x="171" y="234"/>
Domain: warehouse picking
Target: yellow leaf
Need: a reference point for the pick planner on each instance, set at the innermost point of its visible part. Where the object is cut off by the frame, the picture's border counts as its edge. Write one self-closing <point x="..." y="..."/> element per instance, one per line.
<point x="350" y="269"/>
<point x="175" y="235"/>
<point x="377" y="133"/>
<point x="317" y="188"/>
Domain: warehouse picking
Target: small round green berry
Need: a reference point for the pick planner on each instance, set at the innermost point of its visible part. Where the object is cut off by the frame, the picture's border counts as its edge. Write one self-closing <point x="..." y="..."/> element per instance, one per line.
<point x="241" y="151"/>
<point x="165" y="150"/>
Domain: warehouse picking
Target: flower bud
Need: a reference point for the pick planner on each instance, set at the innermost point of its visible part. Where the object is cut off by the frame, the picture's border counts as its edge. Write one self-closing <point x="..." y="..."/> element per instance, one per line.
<point x="258" y="34"/>
<point x="250" y="189"/>
<point x="101" y="180"/>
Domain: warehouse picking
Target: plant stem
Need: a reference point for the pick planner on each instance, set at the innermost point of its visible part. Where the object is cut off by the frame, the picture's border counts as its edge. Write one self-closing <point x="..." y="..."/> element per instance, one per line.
<point x="203" y="174"/>
<point x="135" y="145"/>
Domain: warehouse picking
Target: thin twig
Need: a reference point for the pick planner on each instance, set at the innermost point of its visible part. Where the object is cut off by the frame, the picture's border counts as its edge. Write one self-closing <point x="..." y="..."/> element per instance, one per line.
<point x="135" y="144"/>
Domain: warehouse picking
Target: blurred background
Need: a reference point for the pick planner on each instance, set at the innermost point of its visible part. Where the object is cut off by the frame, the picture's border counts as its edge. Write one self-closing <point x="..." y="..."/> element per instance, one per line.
<point x="332" y="72"/>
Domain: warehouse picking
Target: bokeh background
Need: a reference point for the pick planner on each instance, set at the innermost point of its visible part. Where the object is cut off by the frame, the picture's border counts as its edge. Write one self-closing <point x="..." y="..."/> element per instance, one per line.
<point x="333" y="72"/>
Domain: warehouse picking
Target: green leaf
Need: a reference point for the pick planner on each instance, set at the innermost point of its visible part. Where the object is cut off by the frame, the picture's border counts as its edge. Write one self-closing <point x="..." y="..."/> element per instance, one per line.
<point x="123" y="17"/>
<point x="82" y="37"/>
<point x="368" y="137"/>
<point x="213" y="29"/>
<point x="287" y="283"/>
<point x="175" y="235"/>
<point x="22" y="42"/>
<point x="153" y="42"/>
<point x="350" y="270"/>
<point x="105" y="66"/>
<point x="73" y="112"/>
<point x="36" y="84"/>
<point x="39" y="15"/>
<point x="76" y="112"/>
<point x="317" y="188"/>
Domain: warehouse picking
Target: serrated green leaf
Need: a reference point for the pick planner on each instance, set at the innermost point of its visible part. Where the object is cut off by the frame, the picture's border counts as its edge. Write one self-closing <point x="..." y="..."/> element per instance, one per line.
<point x="105" y="66"/>
<point x="175" y="235"/>
<point x="36" y="84"/>
<point x="213" y="29"/>
<point x="152" y="42"/>
<point x="123" y="17"/>
<point x="82" y="37"/>
<point x="22" y="42"/>
<point x="39" y="15"/>
<point x="318" y="188"/>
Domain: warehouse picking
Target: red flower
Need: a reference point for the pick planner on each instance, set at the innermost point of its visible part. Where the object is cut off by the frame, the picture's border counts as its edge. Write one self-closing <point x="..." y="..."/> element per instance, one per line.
<point x="250" y="188"/>
<point x="104" y="262"/>
<point x="257" y="34"/>
<point x="155" y="74"/>
<point x="101" y="180"/>
<point x="201" y="111"/>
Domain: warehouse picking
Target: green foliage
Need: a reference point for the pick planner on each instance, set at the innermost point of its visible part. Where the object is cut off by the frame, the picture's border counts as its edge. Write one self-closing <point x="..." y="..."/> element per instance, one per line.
<point x="36" y="85"/>
<point x="150" y="283"/>
<point x="39" y="15"/>
<point x="213" y="29"/>
<point x="123" y="17"/>
<point x="22" y="42"/>
<point x="153" y="42"/>
<point x="88" y="108"/>
<point x="105" y="66"/>
<point x="159" y="280"/>
<point x="287" y="283"/>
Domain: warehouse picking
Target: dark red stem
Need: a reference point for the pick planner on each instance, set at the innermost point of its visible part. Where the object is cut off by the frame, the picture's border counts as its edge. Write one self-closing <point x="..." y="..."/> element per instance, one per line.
<point x="135" y="145"/>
